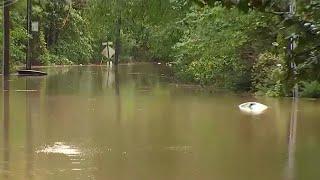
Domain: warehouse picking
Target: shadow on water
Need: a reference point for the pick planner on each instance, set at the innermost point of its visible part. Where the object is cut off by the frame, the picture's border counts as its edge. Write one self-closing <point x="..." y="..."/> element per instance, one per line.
<point x="292" y="136"/>
<point x="6" y="126"/>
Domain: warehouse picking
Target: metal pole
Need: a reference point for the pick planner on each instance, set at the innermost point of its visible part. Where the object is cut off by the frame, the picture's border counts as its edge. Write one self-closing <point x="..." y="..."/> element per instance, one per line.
<point x="292" y="46"/>
<point x="118" y="41"/>
<point x="6" y="39"/>
<point x="118" y="33"/>
<point x="108" y="50"/>
<point x="29" y="16"/>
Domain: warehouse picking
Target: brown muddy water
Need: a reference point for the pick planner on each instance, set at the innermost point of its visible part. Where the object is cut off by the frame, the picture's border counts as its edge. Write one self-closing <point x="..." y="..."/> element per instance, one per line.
<point x="91" y="122"/>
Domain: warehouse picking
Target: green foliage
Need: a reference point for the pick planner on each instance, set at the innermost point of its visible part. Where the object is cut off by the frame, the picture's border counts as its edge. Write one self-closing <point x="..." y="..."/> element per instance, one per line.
<point x="17" y="41"/>
<point x="78" y="51"/>
<point x="19" y="38"/>
<point x="73" y="41"/>
<point x="225" y="43"/>
<point x="162" y="39"/>
<point x="51" y="59"/>
<point x="207" y="52"/>
<point x="311" y="89"/>
<point x="269" y="75"/>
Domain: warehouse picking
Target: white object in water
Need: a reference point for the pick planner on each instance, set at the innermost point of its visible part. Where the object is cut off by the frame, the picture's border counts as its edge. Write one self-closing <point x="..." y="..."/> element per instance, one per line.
<point x="253" y="107"/>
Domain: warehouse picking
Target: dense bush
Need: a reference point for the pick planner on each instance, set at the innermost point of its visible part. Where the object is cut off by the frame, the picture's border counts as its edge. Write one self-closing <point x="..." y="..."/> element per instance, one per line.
<point x="268" y="75"/>
<point x="77" y="50"/>
<point x="51" y="59"/>
<point x="311" y="89"/>
<point x="17" y="41"/>
<point x="74" y="42"/>
<point x="19" y="38"/>
<point x="163" y="37"/>
<point x="208" y="51"/>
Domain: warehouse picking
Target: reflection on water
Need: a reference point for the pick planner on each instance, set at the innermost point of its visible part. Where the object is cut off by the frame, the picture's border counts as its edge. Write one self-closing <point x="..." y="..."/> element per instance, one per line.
<point x="99" y="122"/>
<point x="292" y="140"/>
<point x="6" y="127"/>
<point x="117" y="93"/>
<point x="60" y="148"/>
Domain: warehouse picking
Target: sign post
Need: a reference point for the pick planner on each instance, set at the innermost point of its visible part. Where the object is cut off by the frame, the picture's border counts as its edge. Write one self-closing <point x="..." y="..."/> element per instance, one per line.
<point x="29" y="28"/>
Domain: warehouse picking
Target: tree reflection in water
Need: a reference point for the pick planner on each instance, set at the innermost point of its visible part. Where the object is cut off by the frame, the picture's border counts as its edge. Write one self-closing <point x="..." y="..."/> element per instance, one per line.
<point x="6" y="126"/>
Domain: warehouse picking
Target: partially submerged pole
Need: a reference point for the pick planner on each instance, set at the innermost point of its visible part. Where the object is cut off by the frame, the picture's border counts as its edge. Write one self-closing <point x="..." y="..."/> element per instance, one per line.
<point x="6" y="39"/>
<point x="292" y="46"/>
<point x="30" y="27"/>
<point x="29" y="21"/>
<point x="290" y="173"/>
<point x="118" y="32"/>
<point x="108" y="50"/>
<point x="118" y="41"/>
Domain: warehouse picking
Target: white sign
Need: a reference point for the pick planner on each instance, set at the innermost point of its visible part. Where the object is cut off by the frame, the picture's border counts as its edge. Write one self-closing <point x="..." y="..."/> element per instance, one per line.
<point x="107" y="43"/>
<point x="35" y="26"/>
<point x="108" y="52"/>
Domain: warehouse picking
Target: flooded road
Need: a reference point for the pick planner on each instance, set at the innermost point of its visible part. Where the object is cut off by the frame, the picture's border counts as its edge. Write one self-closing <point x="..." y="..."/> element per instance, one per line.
<point x="94" y="123"/>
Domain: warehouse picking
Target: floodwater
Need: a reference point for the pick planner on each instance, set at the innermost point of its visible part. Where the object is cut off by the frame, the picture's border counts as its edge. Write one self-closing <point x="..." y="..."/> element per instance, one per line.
<point x="133" y="123"/>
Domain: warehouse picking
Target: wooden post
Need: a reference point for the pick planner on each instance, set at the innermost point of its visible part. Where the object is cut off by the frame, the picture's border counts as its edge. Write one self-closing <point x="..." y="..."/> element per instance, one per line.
<point x="6" y="39"/>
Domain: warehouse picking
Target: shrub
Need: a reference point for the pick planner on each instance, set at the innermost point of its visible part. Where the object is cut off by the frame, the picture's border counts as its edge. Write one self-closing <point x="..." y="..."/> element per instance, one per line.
<point x="268" y="75"/>
<point x="311" y="89"/>
<point x="79" y="50"/>
<point x="51" y="59"/>
<point x="208" y="50"/>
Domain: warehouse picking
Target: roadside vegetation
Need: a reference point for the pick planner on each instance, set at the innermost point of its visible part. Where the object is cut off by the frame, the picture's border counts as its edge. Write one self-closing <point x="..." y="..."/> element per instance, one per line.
<point x="237" y="45"/>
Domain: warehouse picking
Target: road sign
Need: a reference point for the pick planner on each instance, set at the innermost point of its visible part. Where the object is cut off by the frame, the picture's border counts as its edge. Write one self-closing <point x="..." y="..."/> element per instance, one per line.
<point x="35" y="26"/>
<point x="107" y="43"/>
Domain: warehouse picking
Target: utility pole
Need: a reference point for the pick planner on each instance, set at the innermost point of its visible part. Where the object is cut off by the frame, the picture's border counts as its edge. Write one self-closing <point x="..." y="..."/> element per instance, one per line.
<point x="29" y="21"/>
<point x="292" y="46"/>
<point x="290" y="171"/>
<point x="6" y="39"/>
<point x="118" y="41"/>
<point x="31" y="27"/>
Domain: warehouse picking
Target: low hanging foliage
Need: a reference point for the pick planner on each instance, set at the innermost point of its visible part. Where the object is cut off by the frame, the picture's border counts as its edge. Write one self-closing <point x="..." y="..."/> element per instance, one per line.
<point x="207" y="52"/>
